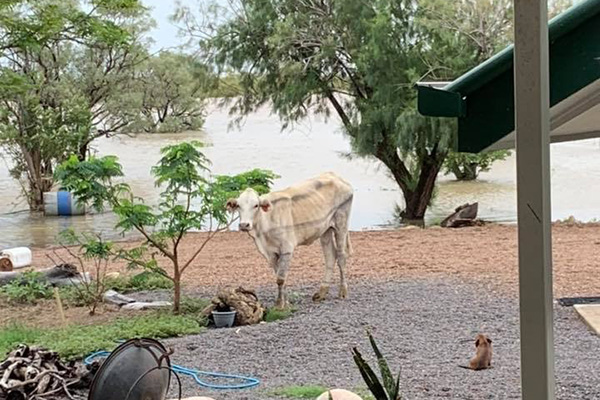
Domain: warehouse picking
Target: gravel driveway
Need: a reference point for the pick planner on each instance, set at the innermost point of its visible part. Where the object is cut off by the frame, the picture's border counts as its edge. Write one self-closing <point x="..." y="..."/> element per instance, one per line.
<point x="426" y="327"/>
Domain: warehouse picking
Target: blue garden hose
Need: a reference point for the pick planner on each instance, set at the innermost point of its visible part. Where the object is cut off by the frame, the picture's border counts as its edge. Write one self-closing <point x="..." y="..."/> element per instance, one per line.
<point x="250" y="382"/>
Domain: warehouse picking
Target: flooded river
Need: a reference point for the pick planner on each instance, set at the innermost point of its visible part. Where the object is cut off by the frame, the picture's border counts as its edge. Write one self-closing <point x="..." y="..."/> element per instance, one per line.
<point x="307" y="150"/>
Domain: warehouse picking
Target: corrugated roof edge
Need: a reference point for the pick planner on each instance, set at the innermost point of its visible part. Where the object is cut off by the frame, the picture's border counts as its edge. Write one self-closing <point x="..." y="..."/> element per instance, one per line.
<point x="496" y="65"/>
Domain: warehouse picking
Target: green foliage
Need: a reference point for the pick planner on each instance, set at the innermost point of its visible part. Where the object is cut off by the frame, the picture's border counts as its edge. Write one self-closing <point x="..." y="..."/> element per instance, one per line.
<point x="227" y="87"/>
<point x="258" y="179"/>
<point x="27" y="289"/>
<point x="75" y="341"/>
<point x="300" y="392"/>
<point x="148" y="280"/>
<point x="172" y="90"/>
<point x="275" y="314"/>
<point x="358" y="59"/>
<point x="387" y="388"/>
<point x="190" y="200"/>
<point x="467" y="166"/>
<point x="65" y="72"/>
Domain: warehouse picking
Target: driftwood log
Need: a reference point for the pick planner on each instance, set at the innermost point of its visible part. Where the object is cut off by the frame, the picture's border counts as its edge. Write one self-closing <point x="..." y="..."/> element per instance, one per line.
<point x="465" y="215"/>
<point x="248" y="309"/>
<point x="35" y="373"/>
<point x="59" y="275"/>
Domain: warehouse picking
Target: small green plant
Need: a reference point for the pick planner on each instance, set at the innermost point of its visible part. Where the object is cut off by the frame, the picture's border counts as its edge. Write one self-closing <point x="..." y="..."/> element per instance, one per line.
<point x="300" y="392"/>
<point x="388" y="388"/>
<point x="27" y="289"/>
<point x="148" y="280"/>
<point x="275" y="314"/>
<point x="93" y="255"/>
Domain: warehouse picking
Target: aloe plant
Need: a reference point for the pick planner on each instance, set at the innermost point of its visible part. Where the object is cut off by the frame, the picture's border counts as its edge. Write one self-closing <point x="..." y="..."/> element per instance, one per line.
<point x="386" y="389"/>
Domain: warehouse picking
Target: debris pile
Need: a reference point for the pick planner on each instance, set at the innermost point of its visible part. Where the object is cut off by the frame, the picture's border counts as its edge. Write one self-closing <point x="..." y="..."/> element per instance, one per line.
<point x="249" y="309"/>
<point x="32" y="373"/>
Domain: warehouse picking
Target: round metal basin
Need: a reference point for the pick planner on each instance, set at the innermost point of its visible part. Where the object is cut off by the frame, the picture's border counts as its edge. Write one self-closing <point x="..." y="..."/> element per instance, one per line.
<point x="139" y="369"/>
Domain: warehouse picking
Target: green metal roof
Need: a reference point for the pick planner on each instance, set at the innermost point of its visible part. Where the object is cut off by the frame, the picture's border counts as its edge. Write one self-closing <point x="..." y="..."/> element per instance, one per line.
<point x="483" y="98"/>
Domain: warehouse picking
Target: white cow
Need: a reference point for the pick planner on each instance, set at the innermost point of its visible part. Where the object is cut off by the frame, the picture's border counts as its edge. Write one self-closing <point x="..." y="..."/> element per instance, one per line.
<point x="318" y="208"/>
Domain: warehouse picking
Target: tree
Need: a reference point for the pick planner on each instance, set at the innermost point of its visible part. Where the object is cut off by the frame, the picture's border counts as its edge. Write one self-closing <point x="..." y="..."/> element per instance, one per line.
<point x="467" y="166"/>
<point x="468" y="33"/>
<point x="190" y="201"/>
<point x="358" y="59"/>
<point x="173" y="87"/>
<point x="63" y="70"/>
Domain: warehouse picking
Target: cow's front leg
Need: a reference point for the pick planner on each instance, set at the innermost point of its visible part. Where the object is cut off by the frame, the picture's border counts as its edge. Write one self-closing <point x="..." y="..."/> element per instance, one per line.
<point x="283" y="265"/>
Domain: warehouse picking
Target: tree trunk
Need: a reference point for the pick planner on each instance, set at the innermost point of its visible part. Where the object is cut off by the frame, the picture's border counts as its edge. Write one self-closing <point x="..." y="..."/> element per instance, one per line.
<point x="83" y="150"/>
<point x="467" y="173"/>
<point x="417" y="198"/>
<point x="176" y="291"/>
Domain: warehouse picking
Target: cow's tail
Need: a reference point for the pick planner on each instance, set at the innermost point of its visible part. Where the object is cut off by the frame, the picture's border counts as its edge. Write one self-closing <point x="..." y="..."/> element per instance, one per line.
<point x="348" y="245"/>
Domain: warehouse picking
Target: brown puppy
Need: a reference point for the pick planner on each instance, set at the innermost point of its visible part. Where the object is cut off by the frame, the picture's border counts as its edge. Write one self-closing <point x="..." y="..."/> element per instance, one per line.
<point x="483" y="355"/>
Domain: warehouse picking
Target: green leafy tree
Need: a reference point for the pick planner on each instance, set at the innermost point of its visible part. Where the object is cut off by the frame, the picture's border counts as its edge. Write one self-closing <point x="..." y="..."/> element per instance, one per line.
<point x="64" y="68"/>
<point x="467" y="166"/>
<point x="356" y="59"/>
<point x="190" y="201"/>
<point x="173" y="88"/>
<point x="468" y="33"/>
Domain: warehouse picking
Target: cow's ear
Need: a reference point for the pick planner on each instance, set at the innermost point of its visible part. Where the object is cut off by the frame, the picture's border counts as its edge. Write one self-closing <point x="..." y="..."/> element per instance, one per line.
<point x="489" y="340"/>
<point x="265" y="205"/>
<point x="477" y="343"/>
<point x="232" y="204"/>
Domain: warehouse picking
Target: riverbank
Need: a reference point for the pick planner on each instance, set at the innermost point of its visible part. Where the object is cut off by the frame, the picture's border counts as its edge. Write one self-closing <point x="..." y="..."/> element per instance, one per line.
<point x="486" y="254"/>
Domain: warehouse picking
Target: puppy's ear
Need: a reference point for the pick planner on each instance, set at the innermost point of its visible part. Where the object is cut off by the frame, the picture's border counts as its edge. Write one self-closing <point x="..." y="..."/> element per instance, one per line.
<point x="232" y="204"/>
<point x="489" y="340"/>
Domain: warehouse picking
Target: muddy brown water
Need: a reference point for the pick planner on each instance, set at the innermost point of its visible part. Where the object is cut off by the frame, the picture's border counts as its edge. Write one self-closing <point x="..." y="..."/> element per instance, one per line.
<point x="302" y="152"/>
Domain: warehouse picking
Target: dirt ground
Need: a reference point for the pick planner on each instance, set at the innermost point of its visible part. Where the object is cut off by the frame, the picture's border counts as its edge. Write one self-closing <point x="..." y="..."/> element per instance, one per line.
<point x="487" y="253"/>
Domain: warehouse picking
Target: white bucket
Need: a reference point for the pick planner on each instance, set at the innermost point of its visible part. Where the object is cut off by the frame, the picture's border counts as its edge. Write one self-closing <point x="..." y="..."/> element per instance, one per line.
<point x="20" y="257"/>
<point x="62" y="203"/>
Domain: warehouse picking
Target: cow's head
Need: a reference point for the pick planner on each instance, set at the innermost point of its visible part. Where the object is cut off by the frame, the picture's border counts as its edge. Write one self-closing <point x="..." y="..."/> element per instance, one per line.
<point x="248" y="205"/>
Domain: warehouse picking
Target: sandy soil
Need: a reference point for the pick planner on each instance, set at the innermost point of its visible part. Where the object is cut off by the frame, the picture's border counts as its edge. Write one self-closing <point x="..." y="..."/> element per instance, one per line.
<point x="487" y="253"/>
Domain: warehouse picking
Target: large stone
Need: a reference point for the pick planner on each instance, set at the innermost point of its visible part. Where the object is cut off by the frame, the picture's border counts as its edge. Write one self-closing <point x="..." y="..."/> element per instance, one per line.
<point x="339" y="394"/>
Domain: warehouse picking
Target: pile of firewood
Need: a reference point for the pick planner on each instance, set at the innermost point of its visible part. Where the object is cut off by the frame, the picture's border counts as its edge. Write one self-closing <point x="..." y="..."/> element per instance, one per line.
<point x="31" y="373"/>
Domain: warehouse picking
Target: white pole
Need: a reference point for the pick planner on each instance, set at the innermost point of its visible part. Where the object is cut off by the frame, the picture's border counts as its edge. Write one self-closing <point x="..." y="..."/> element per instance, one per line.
<point x="533" y="193"/>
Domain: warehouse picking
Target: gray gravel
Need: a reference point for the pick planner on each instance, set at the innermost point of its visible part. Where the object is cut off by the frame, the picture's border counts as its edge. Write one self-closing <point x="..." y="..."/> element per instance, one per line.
<point x="425" y="327"/>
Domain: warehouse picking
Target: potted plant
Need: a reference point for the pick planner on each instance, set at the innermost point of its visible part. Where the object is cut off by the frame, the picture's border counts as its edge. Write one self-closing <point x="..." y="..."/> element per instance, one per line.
<point x="224" y="316"/>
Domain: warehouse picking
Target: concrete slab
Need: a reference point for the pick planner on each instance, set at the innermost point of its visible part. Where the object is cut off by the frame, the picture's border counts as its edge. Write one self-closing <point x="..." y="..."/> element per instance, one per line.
<point x="590" y="314"/>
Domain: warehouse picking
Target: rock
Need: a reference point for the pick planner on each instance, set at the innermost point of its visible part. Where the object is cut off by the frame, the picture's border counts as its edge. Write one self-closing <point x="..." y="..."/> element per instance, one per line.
<point x="140" y="305"/>
<point x="113" y="275"/>
<point x="114" y="297"/>
<point x="339" y="394"/>
<point x="464" y="215"/>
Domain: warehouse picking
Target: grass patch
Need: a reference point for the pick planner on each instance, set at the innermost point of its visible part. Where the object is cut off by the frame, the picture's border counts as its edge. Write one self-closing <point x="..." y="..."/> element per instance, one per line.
<point x="76" y="341"/>
<point x="273" y="314"/>
<point x="300" y="392"/>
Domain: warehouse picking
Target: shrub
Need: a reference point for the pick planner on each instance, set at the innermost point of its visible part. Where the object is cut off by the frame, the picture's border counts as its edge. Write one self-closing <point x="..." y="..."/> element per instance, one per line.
<point x="27" y="289"/>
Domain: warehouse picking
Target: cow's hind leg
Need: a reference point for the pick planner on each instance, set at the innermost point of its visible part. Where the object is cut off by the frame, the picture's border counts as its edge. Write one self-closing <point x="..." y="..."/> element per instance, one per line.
<point x="328" y="246"/>
<point x="342" y="246"/>
<point x="283" y="265"/>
